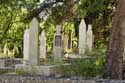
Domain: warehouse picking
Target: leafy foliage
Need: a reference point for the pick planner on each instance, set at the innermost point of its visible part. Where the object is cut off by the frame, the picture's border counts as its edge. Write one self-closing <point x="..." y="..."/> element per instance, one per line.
<point x="12" y="26"/>
<point x="14" y="15"/>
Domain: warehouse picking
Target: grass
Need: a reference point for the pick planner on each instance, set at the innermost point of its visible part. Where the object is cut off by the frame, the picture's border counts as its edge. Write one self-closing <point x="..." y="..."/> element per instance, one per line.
<point x="2" y="55"/>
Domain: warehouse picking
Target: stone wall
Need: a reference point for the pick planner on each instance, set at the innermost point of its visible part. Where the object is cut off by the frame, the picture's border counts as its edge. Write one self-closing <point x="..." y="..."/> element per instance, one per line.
<point x="10" y="62"/>
<point x="41" y="79"/>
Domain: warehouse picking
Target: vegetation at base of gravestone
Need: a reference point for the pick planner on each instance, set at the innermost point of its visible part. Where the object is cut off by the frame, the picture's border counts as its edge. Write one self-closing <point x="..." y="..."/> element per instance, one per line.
<point x="91" y="67"/>
<point x="1" y="55"/>
<point x="4" y="71"/>
<point x="86" y="68"/>
<point x="21" y="72"/>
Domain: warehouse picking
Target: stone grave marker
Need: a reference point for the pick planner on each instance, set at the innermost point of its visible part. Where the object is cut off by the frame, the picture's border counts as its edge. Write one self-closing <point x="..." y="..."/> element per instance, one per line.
<point x="57" y="44"/>
<point x="82" y="37"/>
<point x="70" y="40"/>
<point x="26" y="46"/>
<point x="67" y="41"/>
<point x="43" y="45"/>
<point x="33" y="44"/>
<point x="89" y="42"/>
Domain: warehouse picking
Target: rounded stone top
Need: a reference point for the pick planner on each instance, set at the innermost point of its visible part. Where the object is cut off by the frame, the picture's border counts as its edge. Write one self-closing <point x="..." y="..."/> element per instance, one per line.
<point x="89" y="27"/>
<point x="58" y="29"/>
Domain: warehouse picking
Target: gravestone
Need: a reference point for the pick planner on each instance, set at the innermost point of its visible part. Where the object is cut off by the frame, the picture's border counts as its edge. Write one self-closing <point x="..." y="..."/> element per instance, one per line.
<point x="70" y="40"/>
<point x="33" y="44"/>
<point x="57" y="44"/>
<point x="26" y="47"/>
<point x="89" y="38"/>
<point x="82" y="37"/>
<point x="67" y="41"/>
<point x="43" y="45"/>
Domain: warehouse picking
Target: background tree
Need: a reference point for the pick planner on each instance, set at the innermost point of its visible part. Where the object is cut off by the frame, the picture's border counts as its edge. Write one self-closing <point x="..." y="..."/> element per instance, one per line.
<point x="116" y="44"/>
<point x="12" y="25"/>
<point x="19" y="13"/>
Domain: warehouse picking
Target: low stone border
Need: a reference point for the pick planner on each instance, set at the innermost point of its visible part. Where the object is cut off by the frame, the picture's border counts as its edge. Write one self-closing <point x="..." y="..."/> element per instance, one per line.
<point x="10" y="62"/>
<point x="6" y="69"/>
<point x="46" y="70"/>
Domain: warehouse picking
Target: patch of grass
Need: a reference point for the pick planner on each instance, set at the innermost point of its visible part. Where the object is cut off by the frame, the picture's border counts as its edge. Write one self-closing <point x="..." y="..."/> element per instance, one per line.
<point x="88" y="67"/>
<point x="21" y="72"/>
<point x="3" y="71"/>
<point x="2" y="55"/>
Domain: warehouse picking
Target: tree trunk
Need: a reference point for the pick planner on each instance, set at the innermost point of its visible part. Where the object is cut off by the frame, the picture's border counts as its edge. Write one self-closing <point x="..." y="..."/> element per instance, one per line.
<point x="115" y="50"/>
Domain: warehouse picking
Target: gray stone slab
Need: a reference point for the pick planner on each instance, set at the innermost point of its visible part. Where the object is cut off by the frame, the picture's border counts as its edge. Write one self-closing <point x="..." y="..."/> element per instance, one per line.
<point x="26" y="48"/>
<point x="82" y="37"/>
<point x="90" y="38"/>
<point x="33" y="44"/>
<point x="57" y="43"/>
<point x="46" y="70"/>
<point x="43" y="45"/>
